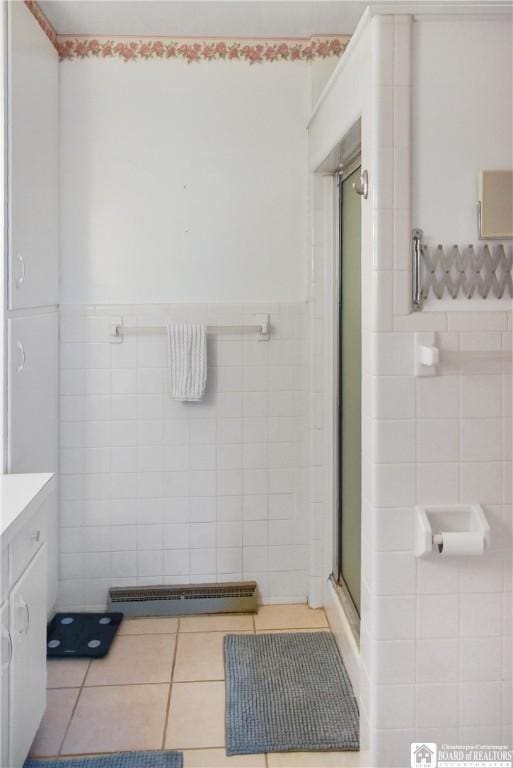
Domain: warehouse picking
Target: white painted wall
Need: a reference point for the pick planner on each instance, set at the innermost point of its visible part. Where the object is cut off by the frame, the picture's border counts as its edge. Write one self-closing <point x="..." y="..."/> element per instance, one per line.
<point x="183" y="183"/>
<point x="462" y="113"/>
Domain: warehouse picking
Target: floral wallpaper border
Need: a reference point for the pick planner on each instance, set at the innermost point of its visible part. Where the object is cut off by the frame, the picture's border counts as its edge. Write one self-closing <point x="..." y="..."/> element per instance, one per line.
<point x="43" y="22"/>
<point x="192" y="50"/>
<point x="253" y="51"/>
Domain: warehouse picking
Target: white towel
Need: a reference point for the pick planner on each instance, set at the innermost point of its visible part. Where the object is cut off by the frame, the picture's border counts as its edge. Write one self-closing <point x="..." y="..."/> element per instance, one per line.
<point x="187" y="361"/>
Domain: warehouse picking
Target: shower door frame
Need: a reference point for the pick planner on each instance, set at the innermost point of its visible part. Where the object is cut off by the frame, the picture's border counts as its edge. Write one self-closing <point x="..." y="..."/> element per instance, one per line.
<point x="336" y="597"/>
<point x="346" y="169"/>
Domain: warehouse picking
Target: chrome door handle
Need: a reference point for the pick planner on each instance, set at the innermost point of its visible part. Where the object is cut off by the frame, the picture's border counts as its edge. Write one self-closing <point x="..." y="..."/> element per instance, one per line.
<point x="21" y="350"/>
<point x="21" y="278"/>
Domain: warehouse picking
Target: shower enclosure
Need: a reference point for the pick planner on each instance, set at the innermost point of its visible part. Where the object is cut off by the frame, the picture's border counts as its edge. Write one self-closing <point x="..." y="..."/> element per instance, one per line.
<point x="350" y="377"/>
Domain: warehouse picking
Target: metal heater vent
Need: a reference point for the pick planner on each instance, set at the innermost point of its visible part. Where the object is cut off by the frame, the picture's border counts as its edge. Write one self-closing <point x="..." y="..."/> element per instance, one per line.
<point x="180" y="600"/>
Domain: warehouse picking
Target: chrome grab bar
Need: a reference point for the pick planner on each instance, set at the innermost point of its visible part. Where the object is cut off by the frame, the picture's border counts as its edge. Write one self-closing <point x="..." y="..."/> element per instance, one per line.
<point x="417" y="295"/>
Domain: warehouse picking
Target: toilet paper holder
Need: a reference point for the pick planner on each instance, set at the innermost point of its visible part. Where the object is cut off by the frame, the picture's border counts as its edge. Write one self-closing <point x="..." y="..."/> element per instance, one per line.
<point x="457" y="529"/>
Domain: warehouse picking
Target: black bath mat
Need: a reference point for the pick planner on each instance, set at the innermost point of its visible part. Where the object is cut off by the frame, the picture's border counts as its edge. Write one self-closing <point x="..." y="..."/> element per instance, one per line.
<point x="81" y="634"/>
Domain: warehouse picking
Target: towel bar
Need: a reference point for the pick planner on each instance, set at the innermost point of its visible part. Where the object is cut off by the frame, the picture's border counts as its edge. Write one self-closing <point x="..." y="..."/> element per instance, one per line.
<point x="428" y="356"/>
<point x="118" y="330"/>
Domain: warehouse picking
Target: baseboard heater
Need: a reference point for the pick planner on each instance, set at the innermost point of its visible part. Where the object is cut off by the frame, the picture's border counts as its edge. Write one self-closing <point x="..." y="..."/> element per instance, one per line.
<point x="184" y="599"/>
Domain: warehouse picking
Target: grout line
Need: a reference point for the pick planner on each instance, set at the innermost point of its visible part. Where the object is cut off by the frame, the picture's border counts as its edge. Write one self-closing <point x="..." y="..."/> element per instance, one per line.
<point x="295" y="629"/>
<point x="78" y="755"/>
<point x="203" y="680"/>
<point x="168" y="705"/>
<point x="202" y="749"/>
<point x="207" y="631"/>
<point x="128" y="685"/>
<point x="81" y="687"/>
<point x="146" y="634"/>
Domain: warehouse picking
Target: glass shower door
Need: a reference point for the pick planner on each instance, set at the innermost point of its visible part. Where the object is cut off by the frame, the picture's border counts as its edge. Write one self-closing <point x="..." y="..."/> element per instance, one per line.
<point x="350" y="377"/>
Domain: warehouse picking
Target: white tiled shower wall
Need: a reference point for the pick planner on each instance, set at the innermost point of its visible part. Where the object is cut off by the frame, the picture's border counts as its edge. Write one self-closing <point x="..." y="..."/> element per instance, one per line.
<point x="157" y="491"/>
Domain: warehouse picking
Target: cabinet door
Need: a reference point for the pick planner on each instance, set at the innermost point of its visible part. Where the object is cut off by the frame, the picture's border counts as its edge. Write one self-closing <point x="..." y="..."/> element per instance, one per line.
<point x="27" y="679"/>
<point x="4" y="702"/>
<point x="33" y="162"/>
<point x="32" y="393"/>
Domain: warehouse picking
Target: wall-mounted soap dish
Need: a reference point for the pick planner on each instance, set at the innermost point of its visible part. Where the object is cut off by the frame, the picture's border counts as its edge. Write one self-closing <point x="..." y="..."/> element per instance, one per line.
<point x="458" y="529"/>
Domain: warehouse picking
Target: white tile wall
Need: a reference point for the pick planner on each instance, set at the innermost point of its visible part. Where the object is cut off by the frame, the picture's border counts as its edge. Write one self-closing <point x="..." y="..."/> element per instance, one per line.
<point x="461" y="452"/>
<point x="435" y="636"/>
<point x="156" y="491"/>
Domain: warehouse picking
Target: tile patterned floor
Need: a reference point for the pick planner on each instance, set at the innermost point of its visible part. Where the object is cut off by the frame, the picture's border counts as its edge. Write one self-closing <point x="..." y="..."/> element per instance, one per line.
<point x="147" y="693"/>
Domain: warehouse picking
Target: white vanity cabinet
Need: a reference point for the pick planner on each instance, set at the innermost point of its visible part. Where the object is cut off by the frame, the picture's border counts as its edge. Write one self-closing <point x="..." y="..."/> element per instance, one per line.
<point x="24" y="611"/>
<point x="27" y="674"/>
<point x="33" y="83"/>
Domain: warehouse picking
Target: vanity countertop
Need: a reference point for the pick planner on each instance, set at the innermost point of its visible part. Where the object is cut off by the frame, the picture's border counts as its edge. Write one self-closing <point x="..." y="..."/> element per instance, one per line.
<point x="19" y="495"/>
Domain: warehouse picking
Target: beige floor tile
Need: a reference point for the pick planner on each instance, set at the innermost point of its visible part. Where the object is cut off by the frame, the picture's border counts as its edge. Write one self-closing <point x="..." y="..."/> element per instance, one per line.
<point x="217" y="623"/>
<point x="149" y="626"/>
<point x="51" y="732"/>
<point x="66" y="673"/>
<point x="134" y="659"/>
<point x="199" y="656"/>
<point x="289" y="617"/>
<point x="314" y="760"/>
<point x="118" y="718"/>
<point x="196" y="716"/>
<point x="216" y="758"/>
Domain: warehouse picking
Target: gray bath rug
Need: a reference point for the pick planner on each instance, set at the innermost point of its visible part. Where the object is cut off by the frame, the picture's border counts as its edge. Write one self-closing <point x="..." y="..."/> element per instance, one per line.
<point x="116" y="760"/>
<point x="287" y="693"/>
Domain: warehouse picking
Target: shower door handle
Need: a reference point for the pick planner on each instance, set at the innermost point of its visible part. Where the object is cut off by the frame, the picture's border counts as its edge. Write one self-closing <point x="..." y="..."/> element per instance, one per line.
<point x="361" y="187"/>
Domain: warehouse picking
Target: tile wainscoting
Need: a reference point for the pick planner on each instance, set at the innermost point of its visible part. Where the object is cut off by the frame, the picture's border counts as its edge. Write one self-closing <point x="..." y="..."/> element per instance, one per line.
<point x="157" y="491"/>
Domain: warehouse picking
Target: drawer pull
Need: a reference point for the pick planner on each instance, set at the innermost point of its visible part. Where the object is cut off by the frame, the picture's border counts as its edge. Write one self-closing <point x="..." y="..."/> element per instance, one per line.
<point x="36" y="535"/>
<point x="6" y="662"/>
<point x="23" y="606"/>
<point x="21" y="278"/>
